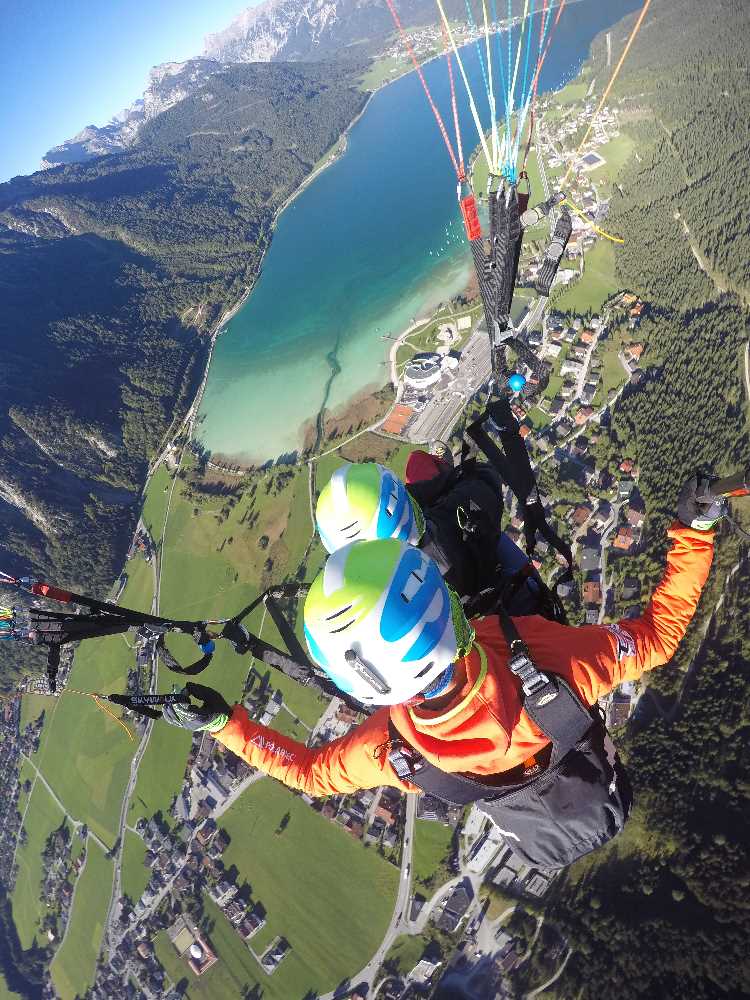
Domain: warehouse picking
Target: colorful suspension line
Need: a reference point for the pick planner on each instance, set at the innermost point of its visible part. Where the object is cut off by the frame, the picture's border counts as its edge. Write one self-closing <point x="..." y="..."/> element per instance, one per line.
<point x="544" y="24"/>
<point x="587" y="220"/>
<point x="493" y="105"/>
<point x="470" y="96"/>
<point x="535" y="86"/>
<point x="475" y="30"/>
<point x="454" y="105"/>
<point x="420" y="74"/>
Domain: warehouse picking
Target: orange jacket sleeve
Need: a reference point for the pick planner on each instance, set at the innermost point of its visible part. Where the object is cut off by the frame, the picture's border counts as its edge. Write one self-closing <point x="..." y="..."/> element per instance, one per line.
<point x="605" y="655"/>
<point x="356" y="761"/>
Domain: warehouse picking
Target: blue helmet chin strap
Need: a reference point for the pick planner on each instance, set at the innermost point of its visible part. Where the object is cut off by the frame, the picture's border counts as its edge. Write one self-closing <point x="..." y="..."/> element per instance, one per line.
<point x="440" y="683"/>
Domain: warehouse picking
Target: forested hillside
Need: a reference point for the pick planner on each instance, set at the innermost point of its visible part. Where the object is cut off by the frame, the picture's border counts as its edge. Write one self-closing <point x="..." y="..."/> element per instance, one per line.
<point x="664" y="913"/>
<point x="112" y="274"/>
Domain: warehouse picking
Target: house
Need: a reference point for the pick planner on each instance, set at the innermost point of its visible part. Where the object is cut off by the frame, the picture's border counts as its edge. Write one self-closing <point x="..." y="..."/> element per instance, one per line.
<point x="455" y="909"/>
<point x="624" y="488"/>
<point x="223" y="892"/>
<point x="329" y="810"/>
<point x="592" y="616"/>
<point x="631" y="588"/>
<point x="556" y="406"/>
<point x="234" y="911"/>
<point x="627" y="466"/>
<point x="580" y="516"/>
<point x="430" y="808"/>
<point x="206" y="832"/>
<point x="251" y="925"/>
<point x="633" y="352"/>
<point x="588" y="337"/>
<point x="524" y="430"/>
<point x="624" y="539"/>
<point x="635" y="518"/>
<point x="386" y="815"/>
<point x="589" y="560"/>
<point x="592" y="592"/>
<point x="619" y="709"/>
<point x="583" y="415"/>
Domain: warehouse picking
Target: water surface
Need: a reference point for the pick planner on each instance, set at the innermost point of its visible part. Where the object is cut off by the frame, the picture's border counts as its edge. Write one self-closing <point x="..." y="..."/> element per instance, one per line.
<point x="372" y="243"/>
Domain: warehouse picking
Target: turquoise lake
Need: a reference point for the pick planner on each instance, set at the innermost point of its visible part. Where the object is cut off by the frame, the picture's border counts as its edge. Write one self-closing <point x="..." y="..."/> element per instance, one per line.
<point x="375" y="241"/>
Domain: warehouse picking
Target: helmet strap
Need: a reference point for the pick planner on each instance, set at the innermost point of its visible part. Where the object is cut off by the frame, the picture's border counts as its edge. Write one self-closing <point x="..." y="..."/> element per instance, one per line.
<point x="440" y="683"/>
<point x="461" y="625"/>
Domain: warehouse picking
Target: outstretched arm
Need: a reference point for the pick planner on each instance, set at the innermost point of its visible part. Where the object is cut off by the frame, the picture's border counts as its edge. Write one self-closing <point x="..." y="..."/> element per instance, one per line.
<point x="602" y="656"/>
<point x="356" y="761"/>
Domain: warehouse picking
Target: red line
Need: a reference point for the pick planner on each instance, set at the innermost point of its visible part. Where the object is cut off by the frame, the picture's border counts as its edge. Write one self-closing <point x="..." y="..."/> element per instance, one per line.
<point x="418" y="68"/>
<point x="454" y="106"/>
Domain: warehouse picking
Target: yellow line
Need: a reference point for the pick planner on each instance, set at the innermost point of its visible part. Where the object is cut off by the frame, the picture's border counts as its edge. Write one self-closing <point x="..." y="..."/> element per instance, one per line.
<point x="587" y="220"/>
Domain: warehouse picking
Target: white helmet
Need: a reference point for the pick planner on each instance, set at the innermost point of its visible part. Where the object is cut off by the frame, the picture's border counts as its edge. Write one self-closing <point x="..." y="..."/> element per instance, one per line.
<point x="366" y="501"/>
<point x="378" y="619"/>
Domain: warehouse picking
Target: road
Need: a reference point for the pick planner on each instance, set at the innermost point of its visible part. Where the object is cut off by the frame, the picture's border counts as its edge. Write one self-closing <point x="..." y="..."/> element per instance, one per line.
<point x="75" y="823"/>
<point x="113" y="910"/>
<point x="398" y="924"/>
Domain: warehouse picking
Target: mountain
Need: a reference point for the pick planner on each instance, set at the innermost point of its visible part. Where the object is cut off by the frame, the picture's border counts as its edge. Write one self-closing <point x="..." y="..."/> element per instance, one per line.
<point x="112" y="273"/>
<point x="274" y="31"/>
<point x="168" y="84"/>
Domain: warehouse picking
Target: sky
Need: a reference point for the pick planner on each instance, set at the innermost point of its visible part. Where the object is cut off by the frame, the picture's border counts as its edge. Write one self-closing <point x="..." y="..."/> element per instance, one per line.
<point x="65" y="64"/>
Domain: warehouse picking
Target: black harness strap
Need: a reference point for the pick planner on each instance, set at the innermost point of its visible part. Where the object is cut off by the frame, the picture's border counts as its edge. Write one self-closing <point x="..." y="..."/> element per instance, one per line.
<point x="514" y="467"/>
<point x="546" y="698"/>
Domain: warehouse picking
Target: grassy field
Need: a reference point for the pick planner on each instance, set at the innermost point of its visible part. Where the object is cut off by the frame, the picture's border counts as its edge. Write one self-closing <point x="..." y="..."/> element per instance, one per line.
<point x="155" y="503"/>
<point x="613" y="374"/>
<point x="597" y="284"/>
<point x="616" y="153"/>
<point x="25" y="771"/>
<point x="42" y="818"/>
<point x="32" y="706"/>
<point x="161" y="772"/>
<point x="432" y="843"/>
<point x="135" y="874"/>
<point x="5" y="992"/>
<point x="139" y="589"/>
<point x="72" y="968"/>
<point x="297" y="878"/>
<point x="407" y="951"/>
<point x="85" y="756"/>
<point x="384" y="71"/>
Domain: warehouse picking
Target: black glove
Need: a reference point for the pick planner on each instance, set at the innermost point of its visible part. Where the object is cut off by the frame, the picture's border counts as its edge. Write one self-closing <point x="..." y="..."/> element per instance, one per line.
<point x="695" y="513"/>
<point x="127" y="702"/>
<point x="212" y="714"/>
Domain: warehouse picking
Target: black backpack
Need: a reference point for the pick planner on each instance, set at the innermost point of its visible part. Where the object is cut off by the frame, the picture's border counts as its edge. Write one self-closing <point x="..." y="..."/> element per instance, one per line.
<point x="580" y="796"/>
<point x="463" y="511"/>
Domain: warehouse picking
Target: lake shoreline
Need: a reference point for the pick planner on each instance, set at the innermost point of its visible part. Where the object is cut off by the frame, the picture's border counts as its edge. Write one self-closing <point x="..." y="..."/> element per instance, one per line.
<point x="332" y="156"/>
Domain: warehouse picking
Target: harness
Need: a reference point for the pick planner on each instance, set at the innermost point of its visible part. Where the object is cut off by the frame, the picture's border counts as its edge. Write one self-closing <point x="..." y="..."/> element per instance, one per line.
<point x="552" y="812"/>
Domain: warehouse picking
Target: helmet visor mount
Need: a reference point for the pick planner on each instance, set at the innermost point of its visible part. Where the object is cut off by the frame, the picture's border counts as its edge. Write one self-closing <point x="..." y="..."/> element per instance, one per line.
<point x="368" y="674"/>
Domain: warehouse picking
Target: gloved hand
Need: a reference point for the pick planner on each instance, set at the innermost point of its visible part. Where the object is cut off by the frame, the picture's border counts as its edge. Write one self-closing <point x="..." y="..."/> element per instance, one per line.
<point x="212" y="714"/>
<point x="695" y="513"/>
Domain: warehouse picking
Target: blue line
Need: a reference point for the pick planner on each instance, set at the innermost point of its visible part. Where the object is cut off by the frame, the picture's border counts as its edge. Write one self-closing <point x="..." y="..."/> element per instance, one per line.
<point x="525" y="87"/>
<point x="498" y="44"/>
<point x="473" y="26"/>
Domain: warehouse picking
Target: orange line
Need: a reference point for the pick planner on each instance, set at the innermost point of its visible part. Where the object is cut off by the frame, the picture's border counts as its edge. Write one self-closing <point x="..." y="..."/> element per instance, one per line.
<point x="609" y="86"/>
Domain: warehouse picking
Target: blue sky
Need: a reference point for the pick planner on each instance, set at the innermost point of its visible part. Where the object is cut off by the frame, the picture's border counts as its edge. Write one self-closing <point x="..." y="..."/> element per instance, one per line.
<point x="65" y="64"/>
